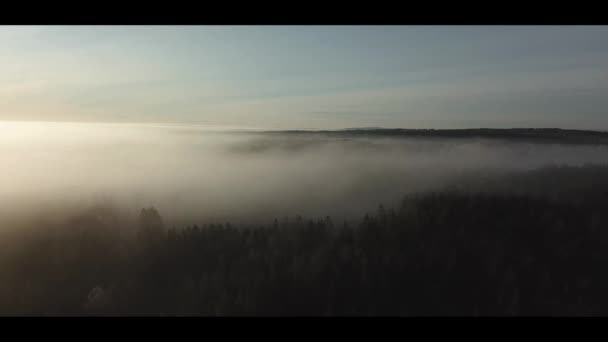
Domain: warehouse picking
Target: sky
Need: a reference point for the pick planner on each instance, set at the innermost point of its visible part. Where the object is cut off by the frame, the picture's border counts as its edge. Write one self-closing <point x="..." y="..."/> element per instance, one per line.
<point x="299" y="77"/>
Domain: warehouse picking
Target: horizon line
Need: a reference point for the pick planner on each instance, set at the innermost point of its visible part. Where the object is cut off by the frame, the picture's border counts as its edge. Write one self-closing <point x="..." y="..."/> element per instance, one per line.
<point x="220" y="127"/>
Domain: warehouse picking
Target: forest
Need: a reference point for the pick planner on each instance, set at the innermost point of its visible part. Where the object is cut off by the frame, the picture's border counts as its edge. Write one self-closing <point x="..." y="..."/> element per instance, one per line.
<point x="516" y="244"/>
<point x="532" y="135"/>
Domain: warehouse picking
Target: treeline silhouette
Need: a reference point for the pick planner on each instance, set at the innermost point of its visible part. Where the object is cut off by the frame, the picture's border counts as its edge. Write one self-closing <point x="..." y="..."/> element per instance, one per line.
<point x="452" y="252"/>
<point x="532" y="135"/>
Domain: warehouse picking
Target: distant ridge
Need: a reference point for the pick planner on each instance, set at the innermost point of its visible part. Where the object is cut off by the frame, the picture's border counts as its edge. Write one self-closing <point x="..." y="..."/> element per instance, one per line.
<point x="549" y="135"/>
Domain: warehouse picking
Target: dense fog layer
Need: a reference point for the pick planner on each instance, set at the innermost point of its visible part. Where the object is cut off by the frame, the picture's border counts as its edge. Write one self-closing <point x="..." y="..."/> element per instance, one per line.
<point x="194" y="174"/>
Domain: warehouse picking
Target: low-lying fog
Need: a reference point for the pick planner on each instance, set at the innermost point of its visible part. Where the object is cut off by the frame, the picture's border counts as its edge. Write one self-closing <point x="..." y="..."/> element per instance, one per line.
<point x="198" y="175"/>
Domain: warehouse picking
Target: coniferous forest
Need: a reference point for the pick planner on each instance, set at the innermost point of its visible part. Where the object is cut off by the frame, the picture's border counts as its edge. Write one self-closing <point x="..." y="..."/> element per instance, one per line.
<point x="527" y="243"/>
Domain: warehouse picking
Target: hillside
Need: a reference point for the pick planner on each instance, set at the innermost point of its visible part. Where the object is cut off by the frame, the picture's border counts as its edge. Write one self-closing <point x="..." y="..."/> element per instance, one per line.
<point x="536" y="135"/>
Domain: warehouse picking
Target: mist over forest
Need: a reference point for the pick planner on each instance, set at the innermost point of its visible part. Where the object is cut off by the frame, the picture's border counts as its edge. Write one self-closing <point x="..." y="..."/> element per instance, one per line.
<point x="197" y="175"/>
<point x="108" y="219"/>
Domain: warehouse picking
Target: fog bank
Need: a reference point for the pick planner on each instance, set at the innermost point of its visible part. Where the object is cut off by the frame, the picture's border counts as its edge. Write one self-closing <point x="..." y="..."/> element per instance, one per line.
<point x="194" y="174"/>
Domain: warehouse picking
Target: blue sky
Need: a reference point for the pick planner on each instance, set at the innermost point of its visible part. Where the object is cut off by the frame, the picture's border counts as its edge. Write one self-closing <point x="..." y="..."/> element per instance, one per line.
<point x="308" y="76"/>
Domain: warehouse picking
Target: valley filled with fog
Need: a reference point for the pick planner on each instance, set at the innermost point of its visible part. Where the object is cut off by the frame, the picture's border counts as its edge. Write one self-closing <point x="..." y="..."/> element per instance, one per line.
<point x="300" y="222"/>
<point x="196" y="174"/>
